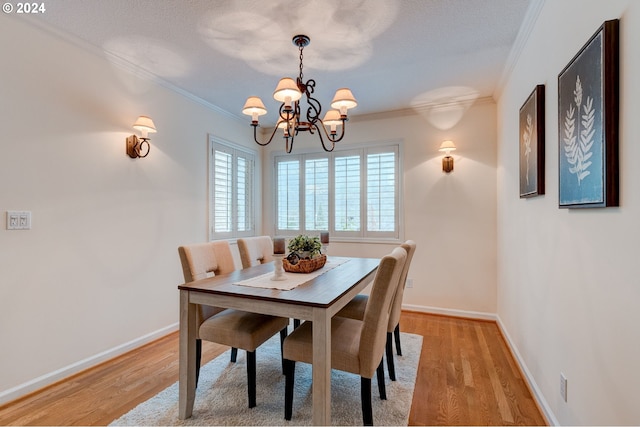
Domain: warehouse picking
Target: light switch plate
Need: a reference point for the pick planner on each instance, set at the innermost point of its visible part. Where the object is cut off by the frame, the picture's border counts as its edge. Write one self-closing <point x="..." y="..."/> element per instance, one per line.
<point x="18" y="220"/>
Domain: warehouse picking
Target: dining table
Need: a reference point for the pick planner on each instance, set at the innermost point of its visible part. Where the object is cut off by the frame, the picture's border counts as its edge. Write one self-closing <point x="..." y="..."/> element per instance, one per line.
<point x="317" y="300"/>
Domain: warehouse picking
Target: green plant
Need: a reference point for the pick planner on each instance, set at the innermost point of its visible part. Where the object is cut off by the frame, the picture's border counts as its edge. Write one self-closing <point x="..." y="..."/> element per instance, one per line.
<point x="304" y="243"/>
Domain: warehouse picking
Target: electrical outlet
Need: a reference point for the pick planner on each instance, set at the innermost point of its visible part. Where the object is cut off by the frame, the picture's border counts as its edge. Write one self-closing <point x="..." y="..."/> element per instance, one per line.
<point x="409" y="283"/>
<point x="563" y="386"/>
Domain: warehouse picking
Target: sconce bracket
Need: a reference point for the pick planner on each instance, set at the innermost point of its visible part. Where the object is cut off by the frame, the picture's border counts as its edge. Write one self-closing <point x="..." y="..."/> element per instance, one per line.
<point x="134" y="146"/>
<point x="447" y="164"/>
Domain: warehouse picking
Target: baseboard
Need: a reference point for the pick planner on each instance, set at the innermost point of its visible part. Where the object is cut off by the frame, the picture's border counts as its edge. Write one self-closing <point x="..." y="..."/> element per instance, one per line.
<point x="450" y="312"/>
<point x="533" y="386"/>
<point x="52" y="377"/>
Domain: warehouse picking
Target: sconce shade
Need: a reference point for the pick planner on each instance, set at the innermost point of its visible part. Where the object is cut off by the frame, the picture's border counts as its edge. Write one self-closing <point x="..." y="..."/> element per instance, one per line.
<point x="145" y="125"/>
<point x="287" y="88"/>
<point x="255" y="106"/>
<point x="343" y="100"/>
<point x="447" y="146"/>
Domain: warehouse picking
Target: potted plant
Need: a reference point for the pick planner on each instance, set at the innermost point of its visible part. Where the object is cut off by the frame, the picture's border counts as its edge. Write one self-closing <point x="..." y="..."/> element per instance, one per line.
<point x="305" y="246"/>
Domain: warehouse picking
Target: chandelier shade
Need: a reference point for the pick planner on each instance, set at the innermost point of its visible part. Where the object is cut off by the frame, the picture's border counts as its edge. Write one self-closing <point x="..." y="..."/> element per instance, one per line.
<point x="287" y="91"/>
<point x="254" y="108"/>
<point x="332" y="119"/>
<point x="293" y="118"/>
<point x="343" y="100"/>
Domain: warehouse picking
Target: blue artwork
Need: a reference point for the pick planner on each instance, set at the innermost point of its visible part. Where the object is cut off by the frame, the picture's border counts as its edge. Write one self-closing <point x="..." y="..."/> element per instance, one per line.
<point x="587" y="139"/>
<point x="581" y="137"/>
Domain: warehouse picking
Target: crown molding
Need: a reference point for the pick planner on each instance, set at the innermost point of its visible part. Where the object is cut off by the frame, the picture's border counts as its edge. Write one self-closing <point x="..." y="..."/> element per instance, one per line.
<point x="128" y="66"/>
<point x="417" y="110"/>
<point x="533" y="12"/>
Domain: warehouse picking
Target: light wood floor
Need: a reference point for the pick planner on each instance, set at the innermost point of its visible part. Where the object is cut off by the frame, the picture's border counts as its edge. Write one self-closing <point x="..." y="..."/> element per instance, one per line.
<point x="466" y="376"/>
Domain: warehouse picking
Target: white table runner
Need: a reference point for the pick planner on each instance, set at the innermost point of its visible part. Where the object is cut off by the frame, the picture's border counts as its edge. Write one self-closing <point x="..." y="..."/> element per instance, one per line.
<point x="292" y="279"/>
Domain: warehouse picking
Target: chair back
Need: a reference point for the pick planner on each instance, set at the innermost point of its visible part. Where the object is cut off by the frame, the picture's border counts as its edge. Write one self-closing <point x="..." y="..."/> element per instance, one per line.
<point x="255" y="250"/>
<point x="202" y="260"/>
<point x="376" y="315"/>
<point x="396" y="308"/>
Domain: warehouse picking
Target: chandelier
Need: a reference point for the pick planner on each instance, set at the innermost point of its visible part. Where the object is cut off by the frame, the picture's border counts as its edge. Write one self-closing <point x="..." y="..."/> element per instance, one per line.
<point x="291" y="120"/>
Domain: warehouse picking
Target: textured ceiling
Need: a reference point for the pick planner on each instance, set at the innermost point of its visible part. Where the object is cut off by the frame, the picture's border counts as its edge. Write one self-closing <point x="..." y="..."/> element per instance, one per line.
<point x="393" y="54"/>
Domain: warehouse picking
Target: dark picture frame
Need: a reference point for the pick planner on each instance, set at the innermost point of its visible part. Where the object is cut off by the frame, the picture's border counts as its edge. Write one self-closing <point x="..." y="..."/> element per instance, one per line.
<point x="532" y="128"/>
<point x="588" y="90"/>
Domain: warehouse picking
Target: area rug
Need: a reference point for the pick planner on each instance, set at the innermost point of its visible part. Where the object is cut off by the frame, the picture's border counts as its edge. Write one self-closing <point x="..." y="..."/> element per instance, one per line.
<point x="221" y="397"/>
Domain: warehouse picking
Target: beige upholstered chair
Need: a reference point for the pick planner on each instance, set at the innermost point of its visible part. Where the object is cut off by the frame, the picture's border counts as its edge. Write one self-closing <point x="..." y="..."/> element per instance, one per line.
<point x="356" y="307"/>
<point x="357" y="346"/>
<point x="255" y="250"/>
<point x="237" y="329"/>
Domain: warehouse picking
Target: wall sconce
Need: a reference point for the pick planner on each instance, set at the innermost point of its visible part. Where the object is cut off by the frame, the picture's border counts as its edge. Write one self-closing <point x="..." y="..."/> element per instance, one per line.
<point x="134" y="145"/>
<point x="447" y="160"/>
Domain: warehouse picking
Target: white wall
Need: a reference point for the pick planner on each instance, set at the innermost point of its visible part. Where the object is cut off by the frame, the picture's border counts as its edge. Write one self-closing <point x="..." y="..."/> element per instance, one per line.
<point x="568" y="286"/>
<point x="452" y="217"/>
<point x="100" y="266"/>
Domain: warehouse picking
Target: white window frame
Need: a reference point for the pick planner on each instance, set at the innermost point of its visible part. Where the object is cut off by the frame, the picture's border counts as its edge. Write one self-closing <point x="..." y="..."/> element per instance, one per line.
<point x="363" y="235"/>
<point x="219" y="144"/>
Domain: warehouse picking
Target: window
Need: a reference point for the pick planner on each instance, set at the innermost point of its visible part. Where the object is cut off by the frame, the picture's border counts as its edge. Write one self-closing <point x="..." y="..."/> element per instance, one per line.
<point x="352" y="193"/>
<point x="231" y="199"/>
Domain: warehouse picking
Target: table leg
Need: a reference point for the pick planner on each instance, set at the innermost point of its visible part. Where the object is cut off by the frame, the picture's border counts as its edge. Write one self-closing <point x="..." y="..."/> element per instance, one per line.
<point x="321" y="391"/>
<point x="187" y="367"/>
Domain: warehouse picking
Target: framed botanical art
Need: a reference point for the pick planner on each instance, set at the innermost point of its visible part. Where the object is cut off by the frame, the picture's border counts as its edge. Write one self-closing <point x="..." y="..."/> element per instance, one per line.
<point x="532" y="144"/>
<point x="588" y="123"/>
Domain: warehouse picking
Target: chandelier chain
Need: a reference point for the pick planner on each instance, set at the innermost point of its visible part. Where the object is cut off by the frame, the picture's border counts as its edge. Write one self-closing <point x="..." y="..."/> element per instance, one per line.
<point x="301" y="75"/>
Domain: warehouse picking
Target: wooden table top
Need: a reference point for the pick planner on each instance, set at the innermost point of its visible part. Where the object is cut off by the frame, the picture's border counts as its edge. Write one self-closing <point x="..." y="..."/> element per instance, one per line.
<point x="321" y="291"/>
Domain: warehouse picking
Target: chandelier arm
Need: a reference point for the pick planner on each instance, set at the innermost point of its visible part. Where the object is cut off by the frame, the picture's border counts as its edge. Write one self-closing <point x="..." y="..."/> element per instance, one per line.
<point x="329" y="136"/>
<point x="324" y="147"/>
<point x="255" y="136"/>
<point x="292" y="134"/>
<point x="314" y="109"/>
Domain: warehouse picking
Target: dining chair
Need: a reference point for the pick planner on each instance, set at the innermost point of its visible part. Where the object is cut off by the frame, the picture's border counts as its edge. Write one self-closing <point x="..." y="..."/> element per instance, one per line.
<point x="357" y="346"/>
<point x="255" y="250"/>
<point x="235" y="328"/>
<point x="356" y="307"/>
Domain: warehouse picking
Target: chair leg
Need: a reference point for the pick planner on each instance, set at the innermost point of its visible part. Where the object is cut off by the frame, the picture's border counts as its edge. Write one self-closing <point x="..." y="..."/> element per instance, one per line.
<point x="389" y="349"/>
<point x="234" y="354"/>
<point x="365" y="396"/>
<point x="381" y="387"/>
<point x="396" y="332"/>
<point x="289" y="372"/>
<point x="198" y="359"/>
<point x="283" y="334"/>
<point x="251" y="377"/>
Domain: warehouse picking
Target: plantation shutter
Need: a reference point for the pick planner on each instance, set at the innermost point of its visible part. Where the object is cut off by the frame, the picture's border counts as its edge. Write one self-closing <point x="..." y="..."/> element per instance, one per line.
<point x="347" y="177"/>
<point x="354" y="194"/>
<point x="232" y="191"/>
<point x="223" y="192"/>
<point x="316" y="194"/>
<point x="244" y="194"/>
<point x="288" y="194"/>
<point x="382" y="190"/>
